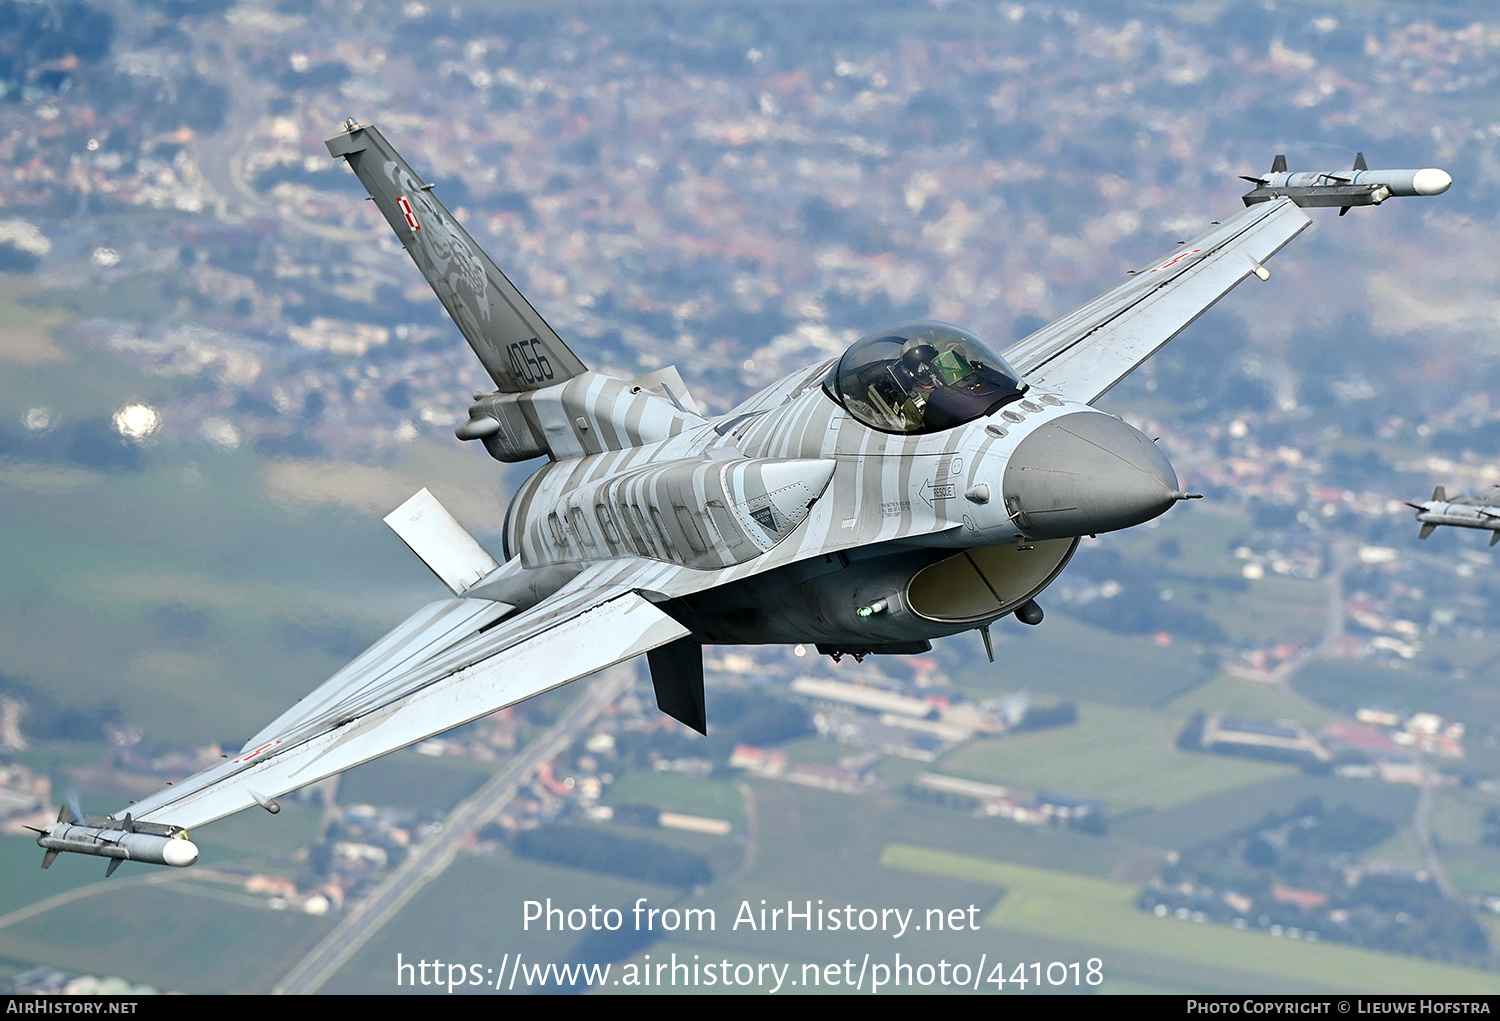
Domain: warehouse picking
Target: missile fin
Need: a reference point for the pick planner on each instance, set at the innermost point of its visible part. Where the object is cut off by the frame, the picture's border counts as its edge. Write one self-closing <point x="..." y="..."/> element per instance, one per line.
<point x="1494" y="538"/>
<point x="109" y="869"/>
<point x="48" y="858"/>
<point x="1428" y="530"/>
<point x="1439" y="494"/>
<point x="1278" y="165"/>
<point x="1359" y="162"/>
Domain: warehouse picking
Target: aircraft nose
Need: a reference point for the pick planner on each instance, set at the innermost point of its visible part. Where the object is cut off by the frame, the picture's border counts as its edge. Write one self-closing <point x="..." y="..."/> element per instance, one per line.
<point x="1085" y="473"/>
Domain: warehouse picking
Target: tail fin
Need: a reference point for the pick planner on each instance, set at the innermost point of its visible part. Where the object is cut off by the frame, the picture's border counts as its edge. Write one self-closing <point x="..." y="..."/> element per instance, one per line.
<point x="515" y="344"/>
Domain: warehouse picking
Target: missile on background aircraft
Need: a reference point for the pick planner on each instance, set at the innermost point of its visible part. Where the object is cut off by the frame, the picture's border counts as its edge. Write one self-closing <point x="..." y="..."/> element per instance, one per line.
<point x="1458" y="511"/>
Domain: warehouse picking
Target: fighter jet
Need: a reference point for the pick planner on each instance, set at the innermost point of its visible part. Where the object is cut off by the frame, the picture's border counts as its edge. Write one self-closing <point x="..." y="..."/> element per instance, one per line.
<point x="1461" y="511"/>
<point x="920" y="485"/>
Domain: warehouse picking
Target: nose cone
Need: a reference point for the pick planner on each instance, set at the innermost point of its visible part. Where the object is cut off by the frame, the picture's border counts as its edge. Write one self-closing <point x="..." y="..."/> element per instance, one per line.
<point x="1085" y="473"/>
<point x="180" y="853"/>
<point x="1431" y="181"/>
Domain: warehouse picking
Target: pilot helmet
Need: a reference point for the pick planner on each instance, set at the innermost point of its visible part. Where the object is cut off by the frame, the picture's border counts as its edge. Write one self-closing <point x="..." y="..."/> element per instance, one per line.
<point x="918" y="358"/>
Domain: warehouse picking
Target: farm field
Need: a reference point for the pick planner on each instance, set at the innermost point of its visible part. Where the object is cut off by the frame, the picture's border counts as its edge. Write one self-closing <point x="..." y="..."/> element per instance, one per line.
<point x="1123" y="757"/>
<point x="1103" y="914"/>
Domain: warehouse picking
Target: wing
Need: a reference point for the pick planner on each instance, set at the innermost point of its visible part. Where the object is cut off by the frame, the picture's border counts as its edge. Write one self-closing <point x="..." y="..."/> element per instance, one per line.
<point x="451" y="662"/>
<point x="1089" y="350"/>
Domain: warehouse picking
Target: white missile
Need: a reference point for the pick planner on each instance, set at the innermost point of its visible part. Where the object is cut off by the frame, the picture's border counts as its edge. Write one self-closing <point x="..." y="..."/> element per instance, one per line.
<point x="1429" y="181"/>
<point x="119" y="840"/>
<point x="1459" y="511"/>
<point x="1357" y="186"/>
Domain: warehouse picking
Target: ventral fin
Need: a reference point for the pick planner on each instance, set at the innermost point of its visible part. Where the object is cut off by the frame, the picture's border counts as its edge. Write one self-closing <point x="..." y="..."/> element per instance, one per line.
<point x="677" y="676"/>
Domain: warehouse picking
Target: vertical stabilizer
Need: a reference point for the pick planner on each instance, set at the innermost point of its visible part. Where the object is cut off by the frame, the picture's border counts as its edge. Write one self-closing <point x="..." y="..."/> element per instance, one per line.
<point x="515" y="344"/>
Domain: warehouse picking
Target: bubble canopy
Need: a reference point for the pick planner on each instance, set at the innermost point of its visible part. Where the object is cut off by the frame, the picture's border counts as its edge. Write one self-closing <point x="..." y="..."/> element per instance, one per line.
<point x="922" y="377"/>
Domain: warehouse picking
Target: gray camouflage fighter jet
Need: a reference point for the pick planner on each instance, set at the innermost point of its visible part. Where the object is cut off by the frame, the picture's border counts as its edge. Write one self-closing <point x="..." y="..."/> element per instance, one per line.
<point x="921" y="485"/>
<point x="1458" y="511"/>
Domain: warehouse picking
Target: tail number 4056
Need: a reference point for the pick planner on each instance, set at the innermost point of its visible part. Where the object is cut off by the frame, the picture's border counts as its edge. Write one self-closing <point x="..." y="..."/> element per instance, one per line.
<point x="528" y="360"/>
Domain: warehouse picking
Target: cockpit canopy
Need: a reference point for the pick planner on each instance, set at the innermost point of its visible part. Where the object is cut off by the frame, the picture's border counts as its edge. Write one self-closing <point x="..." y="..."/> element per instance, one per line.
<point x="922" y="377"/>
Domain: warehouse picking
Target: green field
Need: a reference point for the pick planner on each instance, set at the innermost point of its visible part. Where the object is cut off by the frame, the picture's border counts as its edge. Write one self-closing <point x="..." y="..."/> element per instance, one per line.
<point x="1208" y="818"/>
<point x="164" y="929"/>
<point x="674" y="792"/>
<point x="1273" y="609"/>
<point x="1100" y="913"/>
<point x="1065" y="658"/>
<point x="1249" y="698"/>
<point x="255" y="839"/>
<point x="1201" y="535"/>
<point x="423" y="784"/>
<point x="1123" y="757"/>
<point x="1404" y="688"/>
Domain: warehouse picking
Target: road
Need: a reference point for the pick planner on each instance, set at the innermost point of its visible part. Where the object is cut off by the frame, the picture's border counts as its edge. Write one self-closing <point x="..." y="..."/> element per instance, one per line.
<point x="1342" y="558"/>
<point x="428" y="859"/>
<point x="222" y="157"/>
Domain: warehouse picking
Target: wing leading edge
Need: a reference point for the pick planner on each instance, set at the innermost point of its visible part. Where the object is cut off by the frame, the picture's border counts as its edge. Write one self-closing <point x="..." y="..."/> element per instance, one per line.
<point x="451" y="662"/>
<point x="1089" y="350"/>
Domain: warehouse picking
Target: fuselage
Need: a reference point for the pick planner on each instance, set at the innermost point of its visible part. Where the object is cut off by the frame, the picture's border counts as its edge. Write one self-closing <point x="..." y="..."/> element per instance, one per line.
<point x="809" y="526"/>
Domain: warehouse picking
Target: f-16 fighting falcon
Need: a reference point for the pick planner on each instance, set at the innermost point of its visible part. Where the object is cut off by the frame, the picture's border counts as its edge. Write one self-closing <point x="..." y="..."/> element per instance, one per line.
<point x="921" y="485"/>
<point x="1459" y="511"/>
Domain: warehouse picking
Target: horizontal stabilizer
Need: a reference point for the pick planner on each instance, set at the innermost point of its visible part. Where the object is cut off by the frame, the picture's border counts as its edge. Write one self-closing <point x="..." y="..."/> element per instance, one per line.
<point x="677" y="676"/>
<point x="668" y="383"/>
<point x="443" y="544"/>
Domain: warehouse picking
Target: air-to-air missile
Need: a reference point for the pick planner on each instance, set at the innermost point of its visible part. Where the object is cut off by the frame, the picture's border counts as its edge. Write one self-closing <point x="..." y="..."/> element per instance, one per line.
<point x="1358" y="186"/>
<point x="116" y="839"/>
<point x="1462" y="511"/>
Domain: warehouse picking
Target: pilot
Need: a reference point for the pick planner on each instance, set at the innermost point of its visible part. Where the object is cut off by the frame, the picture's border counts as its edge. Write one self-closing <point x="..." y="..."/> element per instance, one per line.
<point x="916" y="372"/>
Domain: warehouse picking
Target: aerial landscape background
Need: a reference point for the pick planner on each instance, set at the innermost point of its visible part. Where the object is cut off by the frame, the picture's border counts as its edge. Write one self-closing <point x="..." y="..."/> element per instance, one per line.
<point x="1255" y="745"/>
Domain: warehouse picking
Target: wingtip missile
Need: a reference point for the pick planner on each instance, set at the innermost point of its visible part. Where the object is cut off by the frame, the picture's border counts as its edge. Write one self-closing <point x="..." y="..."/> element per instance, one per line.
<point x="118" y="840"/>
<point x="1358" y="186"/>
